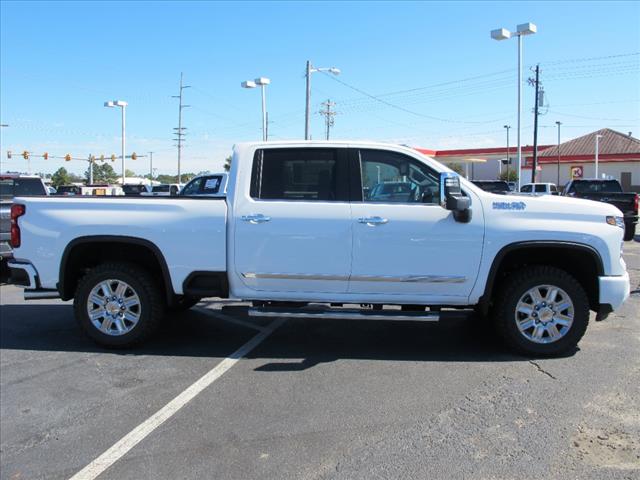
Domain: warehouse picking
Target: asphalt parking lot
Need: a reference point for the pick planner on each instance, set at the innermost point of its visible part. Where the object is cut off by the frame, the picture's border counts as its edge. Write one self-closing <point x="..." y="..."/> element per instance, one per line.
<point x="314" y="399"/>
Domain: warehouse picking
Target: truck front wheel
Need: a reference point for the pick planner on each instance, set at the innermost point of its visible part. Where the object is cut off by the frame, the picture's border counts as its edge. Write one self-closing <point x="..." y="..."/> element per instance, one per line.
<point x="541" y="311"/>
<point x="118" y="304"/>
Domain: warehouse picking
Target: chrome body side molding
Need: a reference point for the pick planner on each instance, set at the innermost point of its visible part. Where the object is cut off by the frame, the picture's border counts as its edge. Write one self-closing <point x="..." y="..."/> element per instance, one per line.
<point x="359" y="278"/>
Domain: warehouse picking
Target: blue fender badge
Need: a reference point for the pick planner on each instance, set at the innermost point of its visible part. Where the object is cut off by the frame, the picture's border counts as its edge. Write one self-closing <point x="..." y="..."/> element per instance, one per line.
<point x="509" y="205"/>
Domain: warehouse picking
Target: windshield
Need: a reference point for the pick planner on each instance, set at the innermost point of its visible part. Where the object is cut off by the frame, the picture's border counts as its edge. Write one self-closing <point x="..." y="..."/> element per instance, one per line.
<point x="597" y="186"/>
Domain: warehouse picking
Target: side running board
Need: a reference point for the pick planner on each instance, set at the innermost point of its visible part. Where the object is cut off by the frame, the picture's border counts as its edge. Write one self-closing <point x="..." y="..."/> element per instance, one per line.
<point x="346" y="314"/>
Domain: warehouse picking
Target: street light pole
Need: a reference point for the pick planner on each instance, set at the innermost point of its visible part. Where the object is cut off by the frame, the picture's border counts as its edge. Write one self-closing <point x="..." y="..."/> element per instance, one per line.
<point x="150" y="168"/>
<point x="598" y="137"/>
<point x="504" y="34"/>
<point x="307" y="113"/>
<point x="558" y="123"/>
<point x="507" y="127"/>
<point x="307" y="102"/>
<point x="264" y="113"/>
<point x="263" y="82"/>
<point x="124" y="141"/>
<point x="519" y="110"/>
<point x="123" y="105"/>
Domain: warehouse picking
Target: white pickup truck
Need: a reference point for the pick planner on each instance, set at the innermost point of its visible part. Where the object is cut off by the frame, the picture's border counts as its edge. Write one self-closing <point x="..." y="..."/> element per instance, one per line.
<point x="301" y="235"/>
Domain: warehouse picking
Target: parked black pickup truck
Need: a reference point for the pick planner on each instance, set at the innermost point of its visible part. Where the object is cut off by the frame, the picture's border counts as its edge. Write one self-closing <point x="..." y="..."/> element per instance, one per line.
<point x="608" y="191"/>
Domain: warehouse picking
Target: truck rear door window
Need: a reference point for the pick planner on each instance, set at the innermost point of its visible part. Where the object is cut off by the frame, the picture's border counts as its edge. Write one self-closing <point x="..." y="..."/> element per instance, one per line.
<point x="305" y="174"/>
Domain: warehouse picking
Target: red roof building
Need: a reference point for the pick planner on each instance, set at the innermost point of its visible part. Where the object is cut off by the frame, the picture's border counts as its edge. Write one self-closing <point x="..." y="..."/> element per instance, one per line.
<point x="618" y="157"/>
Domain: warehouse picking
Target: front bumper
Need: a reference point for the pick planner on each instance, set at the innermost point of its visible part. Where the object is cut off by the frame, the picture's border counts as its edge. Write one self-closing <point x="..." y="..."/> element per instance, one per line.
<point x="614" y="291"/>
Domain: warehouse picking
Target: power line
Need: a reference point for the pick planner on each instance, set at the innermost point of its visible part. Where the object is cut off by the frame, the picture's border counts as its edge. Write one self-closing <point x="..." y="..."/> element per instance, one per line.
<point x="397" y="107"/>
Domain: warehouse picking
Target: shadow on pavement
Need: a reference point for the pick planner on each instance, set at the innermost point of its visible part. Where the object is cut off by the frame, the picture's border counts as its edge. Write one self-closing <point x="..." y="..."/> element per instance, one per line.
<point x="296" y="345"/>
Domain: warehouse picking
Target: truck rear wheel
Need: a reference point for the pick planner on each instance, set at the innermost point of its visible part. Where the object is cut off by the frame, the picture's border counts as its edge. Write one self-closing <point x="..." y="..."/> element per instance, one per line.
<point x="541" y="311"/>
<point x="118" y="304"/>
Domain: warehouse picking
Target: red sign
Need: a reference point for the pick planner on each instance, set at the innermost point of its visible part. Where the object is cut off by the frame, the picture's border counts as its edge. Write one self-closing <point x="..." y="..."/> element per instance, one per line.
<point x="577" y="172"/>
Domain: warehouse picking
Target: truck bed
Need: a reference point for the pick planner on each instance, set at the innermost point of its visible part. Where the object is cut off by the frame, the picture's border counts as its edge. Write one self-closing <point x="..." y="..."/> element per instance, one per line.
<point x="51" y="224"/>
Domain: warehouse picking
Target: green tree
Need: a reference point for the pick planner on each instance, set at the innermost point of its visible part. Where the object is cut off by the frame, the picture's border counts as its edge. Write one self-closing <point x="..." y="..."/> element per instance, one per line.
<point x="102" y="173"/>
<point x="60" y="177"/>
<point x="513" y="177"/>
<point x="129" y="173"/>
<point x="75" y="178"/>
<point x="227" y="163"/>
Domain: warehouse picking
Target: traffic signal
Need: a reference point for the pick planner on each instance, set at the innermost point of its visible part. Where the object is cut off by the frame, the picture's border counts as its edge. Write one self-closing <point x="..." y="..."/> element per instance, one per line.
<point x="8" y="153"/>
<point x="67" y="157"/>
<point x="113" y="158"/>
<point x="134" y="156"/>
<point x="25" y="155"/>
<point x="45" y="155"/>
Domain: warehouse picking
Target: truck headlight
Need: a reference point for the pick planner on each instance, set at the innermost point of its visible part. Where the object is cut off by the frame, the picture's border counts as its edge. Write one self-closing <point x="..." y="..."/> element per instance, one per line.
<point x="615" y="221"/>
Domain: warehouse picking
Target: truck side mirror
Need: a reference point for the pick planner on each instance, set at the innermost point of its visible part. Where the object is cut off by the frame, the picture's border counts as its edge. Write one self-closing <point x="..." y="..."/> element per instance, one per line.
<point x="452" y="198"/>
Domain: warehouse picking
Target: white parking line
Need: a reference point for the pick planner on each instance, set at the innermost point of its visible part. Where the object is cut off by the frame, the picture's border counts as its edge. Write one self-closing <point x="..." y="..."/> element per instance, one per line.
<point x="136" y="435"/>
<point x="221" y="316"/>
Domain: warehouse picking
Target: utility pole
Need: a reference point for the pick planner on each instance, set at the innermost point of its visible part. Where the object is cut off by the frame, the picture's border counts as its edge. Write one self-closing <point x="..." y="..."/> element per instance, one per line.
<point x="150" y="168"/>
<point x="558" y="180"/>
<point x="179" y="131"/>
<point x="328" y="116"/>
<point x="535" y="125"/>
<point x="91" y="159"/>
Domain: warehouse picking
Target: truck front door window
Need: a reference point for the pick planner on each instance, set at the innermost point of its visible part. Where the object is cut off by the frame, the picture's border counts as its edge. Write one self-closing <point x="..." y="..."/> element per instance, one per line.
<point x="390" y="177"/>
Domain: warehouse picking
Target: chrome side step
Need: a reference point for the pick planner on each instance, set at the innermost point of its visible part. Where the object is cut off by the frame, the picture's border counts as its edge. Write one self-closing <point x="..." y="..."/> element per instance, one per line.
<point x="345" y="314"/>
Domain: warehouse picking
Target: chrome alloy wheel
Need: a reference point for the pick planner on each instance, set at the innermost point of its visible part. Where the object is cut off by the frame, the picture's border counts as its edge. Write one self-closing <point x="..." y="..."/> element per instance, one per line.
<point x="544" y="314"/>
<point x="113" y="307"/>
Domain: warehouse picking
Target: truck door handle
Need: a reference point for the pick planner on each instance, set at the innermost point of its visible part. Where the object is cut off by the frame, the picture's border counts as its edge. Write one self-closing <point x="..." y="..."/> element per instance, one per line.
<point x="373" y="220"/>
<point x="257" y="218"/>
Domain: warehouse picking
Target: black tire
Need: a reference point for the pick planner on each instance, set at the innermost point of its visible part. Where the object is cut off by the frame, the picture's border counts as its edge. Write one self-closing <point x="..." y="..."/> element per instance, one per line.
<point x="629" y="231"/>
<point x="151" y="303"/>
<point x="183" y="303"/>
<point x="520" y="282"/>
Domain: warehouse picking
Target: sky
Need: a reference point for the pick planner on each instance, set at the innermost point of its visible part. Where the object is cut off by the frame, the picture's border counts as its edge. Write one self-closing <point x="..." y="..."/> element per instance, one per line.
<point x="425" y="74"/>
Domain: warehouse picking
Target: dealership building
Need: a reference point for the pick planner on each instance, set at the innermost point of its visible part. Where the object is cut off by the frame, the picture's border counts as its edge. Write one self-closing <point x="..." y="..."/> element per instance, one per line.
<point x="618" y="158"/>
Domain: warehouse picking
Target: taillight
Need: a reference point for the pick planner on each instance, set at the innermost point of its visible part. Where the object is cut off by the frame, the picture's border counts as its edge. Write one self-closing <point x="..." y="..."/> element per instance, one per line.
<point x="635" y="204"/>
<point x="17" y="210"/>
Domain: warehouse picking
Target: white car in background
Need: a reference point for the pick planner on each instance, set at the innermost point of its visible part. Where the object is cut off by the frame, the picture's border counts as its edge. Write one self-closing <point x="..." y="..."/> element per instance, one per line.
<point x="210" y="185"/>
<point x="540" y="189"/>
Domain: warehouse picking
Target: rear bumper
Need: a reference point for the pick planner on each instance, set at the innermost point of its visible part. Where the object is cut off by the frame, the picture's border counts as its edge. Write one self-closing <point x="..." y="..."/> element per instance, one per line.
<point x="25" y="275"/>
<point x="614" y="290"/>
